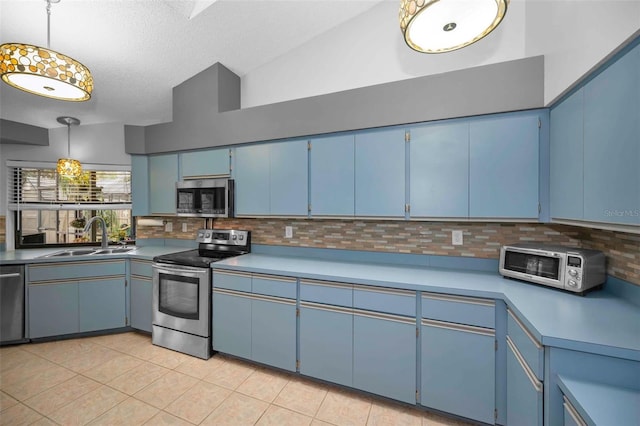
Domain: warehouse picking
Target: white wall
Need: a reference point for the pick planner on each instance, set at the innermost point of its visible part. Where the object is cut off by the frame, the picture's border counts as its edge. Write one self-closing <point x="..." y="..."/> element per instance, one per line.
<point x="95" y="144"/>
<point x="574" y="35"/>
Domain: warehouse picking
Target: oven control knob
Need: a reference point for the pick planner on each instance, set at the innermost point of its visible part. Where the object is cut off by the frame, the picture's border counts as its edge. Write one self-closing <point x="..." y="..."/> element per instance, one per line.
<point x="241" y="237"/>
<point x="573" y="273"/>
<point x="234" y="237"/>
<point x="572" y="283"/>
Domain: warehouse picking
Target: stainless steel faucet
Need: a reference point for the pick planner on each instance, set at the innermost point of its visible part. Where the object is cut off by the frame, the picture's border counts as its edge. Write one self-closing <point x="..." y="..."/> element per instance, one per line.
<point x="105" y="239"/>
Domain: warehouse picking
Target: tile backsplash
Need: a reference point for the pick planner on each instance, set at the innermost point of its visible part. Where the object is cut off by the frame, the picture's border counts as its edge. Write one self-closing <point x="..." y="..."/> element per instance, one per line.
<point x="482" y="240"/>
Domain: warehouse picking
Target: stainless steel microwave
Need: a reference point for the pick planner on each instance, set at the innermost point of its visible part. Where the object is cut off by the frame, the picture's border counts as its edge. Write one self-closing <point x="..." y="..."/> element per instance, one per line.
<point x="205" y="198"/>
<point x="568" y="268"/>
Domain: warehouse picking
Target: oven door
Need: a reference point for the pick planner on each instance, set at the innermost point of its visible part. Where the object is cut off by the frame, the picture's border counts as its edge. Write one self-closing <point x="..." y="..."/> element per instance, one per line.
<point x="181" y="298"/>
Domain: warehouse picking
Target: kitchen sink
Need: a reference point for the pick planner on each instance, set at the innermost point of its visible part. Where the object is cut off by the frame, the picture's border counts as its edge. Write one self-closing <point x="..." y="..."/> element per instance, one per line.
<point x="89" y="252"/>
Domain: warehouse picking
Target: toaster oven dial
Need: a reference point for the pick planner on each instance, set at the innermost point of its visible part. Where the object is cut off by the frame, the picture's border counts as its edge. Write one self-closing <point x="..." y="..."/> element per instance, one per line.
<point x="573" y="273"/>
<point x="573" y="283"/>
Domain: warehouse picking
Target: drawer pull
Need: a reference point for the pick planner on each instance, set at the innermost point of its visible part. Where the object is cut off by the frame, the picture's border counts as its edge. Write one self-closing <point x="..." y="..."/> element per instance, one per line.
<point x="532" y="378"/>
<point x="459" y="327"/>
<point x="382" y="316"/>
<point x="525" y="330"/>
<point x="329" y="308"/>
<point x="575" y="416"/>
<point x="385" y="290"/>
<point x="458" y="299"/>
<point x="331" y="284"/>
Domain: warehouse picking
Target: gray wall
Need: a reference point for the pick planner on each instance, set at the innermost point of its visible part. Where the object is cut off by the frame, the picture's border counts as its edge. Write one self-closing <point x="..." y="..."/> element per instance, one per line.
<point x="200" y="120"/>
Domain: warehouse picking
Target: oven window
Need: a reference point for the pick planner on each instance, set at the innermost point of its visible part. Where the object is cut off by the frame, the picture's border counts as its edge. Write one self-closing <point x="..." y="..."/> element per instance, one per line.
<point x="179" y="296"/>
<point x="541" y="266"/>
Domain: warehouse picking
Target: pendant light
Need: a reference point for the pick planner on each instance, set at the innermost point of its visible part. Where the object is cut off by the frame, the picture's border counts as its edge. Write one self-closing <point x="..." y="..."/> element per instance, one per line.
<point x="437" y="26"/>
<point x="45" y="72"/>
<point x="68" y="167"/>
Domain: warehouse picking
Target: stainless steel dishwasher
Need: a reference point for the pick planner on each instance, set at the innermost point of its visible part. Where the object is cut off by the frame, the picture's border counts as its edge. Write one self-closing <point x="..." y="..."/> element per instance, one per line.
<point x="12" y="306"/>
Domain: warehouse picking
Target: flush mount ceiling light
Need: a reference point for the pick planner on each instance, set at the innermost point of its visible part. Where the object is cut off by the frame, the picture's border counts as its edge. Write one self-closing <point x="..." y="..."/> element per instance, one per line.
<point x="68" y="167"/>
<point x="45" y="72"/>
<point x="438" y="26"/>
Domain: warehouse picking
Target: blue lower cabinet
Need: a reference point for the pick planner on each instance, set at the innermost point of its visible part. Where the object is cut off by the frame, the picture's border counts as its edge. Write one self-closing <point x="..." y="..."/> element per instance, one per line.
<point x="326" y="342"/>
<point x="102" y="304"/>
<point x="53" y="309"/>
<point x="524" y="391"/>
<point x="273" y="331"/>
<point x="458" y="370"/>
<point x="141" y="301"/>
<point x="384" y="355"/>
<point x="231" y="323"/>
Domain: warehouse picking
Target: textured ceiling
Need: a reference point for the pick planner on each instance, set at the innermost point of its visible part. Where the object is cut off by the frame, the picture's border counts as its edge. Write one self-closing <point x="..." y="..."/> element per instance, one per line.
<point x="138" y="50"/>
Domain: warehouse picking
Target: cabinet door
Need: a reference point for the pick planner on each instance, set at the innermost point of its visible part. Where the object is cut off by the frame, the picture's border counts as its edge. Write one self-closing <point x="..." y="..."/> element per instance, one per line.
<point x="139" y="185"/>
<point x="326" y="343"/>
<point x="53" y="309"/>
<point x="163" y="175"/>
<point x="567" y="183"/>
<point x="212" y="162"/>
<point x="524" y="391"/>
<point x="439" y="172"/>
<point x="231" y="323"/>
<point x="458" y="370"/>
<point x="380" y="173"/>
<point x="612" y="143"/>
<point x="384" y="355"/>
<point x="251" y="176"/>
<point x="273" y="332"/>
<point x="289" y="171"/>
<point x="141" y="303"/>
<point x="101" y="304"/>
<point x="503" y="167"/>
<point x="332" y="174"/>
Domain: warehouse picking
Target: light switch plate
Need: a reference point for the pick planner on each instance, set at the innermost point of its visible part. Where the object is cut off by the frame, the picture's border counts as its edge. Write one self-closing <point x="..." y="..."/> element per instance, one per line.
<point x="288" y="232"/>
<point x="456" y="237"/>
<point x="168" y="227"/>
<point x="184" y="227"/>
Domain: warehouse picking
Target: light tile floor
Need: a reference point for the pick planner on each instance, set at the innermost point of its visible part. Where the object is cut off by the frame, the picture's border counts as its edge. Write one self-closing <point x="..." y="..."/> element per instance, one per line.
<point x="123" y="379"/>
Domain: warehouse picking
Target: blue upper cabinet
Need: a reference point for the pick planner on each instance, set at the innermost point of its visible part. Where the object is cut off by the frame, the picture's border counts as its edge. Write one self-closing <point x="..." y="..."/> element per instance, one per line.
<point x="439" y="170"/>
<point x="251" y="174"/>
<point x="503" y="166"/>
<point x="272" y="179"/>
<point x="567" y="171"/>
<point x="139" y="185"/>
<point x="380" y="173"/>
<point x="332" y="175"/>
<point x="612" y="143"/>
<point x="289" y="171"/>
<point x="163" y="175"/>
<point x="198" y="164"/>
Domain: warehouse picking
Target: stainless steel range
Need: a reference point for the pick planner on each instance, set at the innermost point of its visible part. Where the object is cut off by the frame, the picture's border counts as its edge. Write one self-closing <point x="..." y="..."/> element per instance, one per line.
<point x="182" y="291"/>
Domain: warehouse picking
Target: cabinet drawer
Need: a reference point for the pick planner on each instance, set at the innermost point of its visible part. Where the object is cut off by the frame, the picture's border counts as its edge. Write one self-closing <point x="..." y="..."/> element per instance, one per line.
<point x="142" y="268"/>
<point x="232" y="280"/>
<point x="272" y="285"/>
<point x="459" y="309"/>
<point x="382" y="299"/>
<point x="526" y="344"/>
<point x="71" y="270"/>
<point x="330" y="293"/>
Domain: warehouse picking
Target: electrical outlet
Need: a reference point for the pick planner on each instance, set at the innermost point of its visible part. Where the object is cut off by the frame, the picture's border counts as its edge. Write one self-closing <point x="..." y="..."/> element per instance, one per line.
<point x="456" y="237"/>
<point x="288" y="232"/>
<point x="184" y="227"/>
<point x="168" y="227"/>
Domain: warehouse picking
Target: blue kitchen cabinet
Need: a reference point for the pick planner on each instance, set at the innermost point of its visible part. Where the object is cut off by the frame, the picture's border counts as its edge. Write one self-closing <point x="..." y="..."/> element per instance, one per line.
<point x="139" y="185"/>
<point x="612" y="143"/>
<point x="141" y="294"/>
<point x="380" y="173"/>
<point x="101" y="304"/>
<point x="326" y="331"/>
<point x="288" y="178"/>
<point x="204" y="164"/>
<point x="503" y="166"/>
<point x="458" y="369"/>
<point x="163" y="175"/>
<point x="332" y="176"/>
<point x="384" y="355"/>
<point x="53" y="309"/>
<point x="567" y="167"/>
<point x="231" y="322"/>
<point x="524" y="391"/>
<point x="273" y="331"/>
<point x="439" y="170"/>
<point x="252" y="181"/>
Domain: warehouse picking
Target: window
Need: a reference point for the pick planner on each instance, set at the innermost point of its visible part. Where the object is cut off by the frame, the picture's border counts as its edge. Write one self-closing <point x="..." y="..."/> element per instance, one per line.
<point x="51" y="210"/>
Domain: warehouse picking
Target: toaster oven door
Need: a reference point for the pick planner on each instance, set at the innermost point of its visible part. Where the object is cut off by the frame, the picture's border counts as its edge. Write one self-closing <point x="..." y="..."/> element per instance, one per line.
<point x="529" y="265"/>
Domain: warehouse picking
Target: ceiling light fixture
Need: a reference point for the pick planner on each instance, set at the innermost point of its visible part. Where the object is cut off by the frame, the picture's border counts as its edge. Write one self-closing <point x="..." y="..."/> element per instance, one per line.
<point x="438" y="26"/>
<point x="45" y="72"/>
<point x="68" y="167"/>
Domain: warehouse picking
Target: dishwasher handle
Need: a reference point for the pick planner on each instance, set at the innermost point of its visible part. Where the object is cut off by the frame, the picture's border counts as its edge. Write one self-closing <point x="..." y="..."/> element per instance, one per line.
<point x="13" y="275"/>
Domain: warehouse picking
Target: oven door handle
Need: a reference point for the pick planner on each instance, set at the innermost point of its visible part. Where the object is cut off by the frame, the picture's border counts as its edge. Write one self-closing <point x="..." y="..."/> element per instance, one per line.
<point x="172" y="269"/>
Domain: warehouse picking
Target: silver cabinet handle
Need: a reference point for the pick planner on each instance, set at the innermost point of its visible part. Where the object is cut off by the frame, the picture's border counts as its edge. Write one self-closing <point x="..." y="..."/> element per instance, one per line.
<point x="526" y="331"/>
<point x="459" y="327"/>
<point x="532" y="378"/>
<point x="13" y="275"/>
